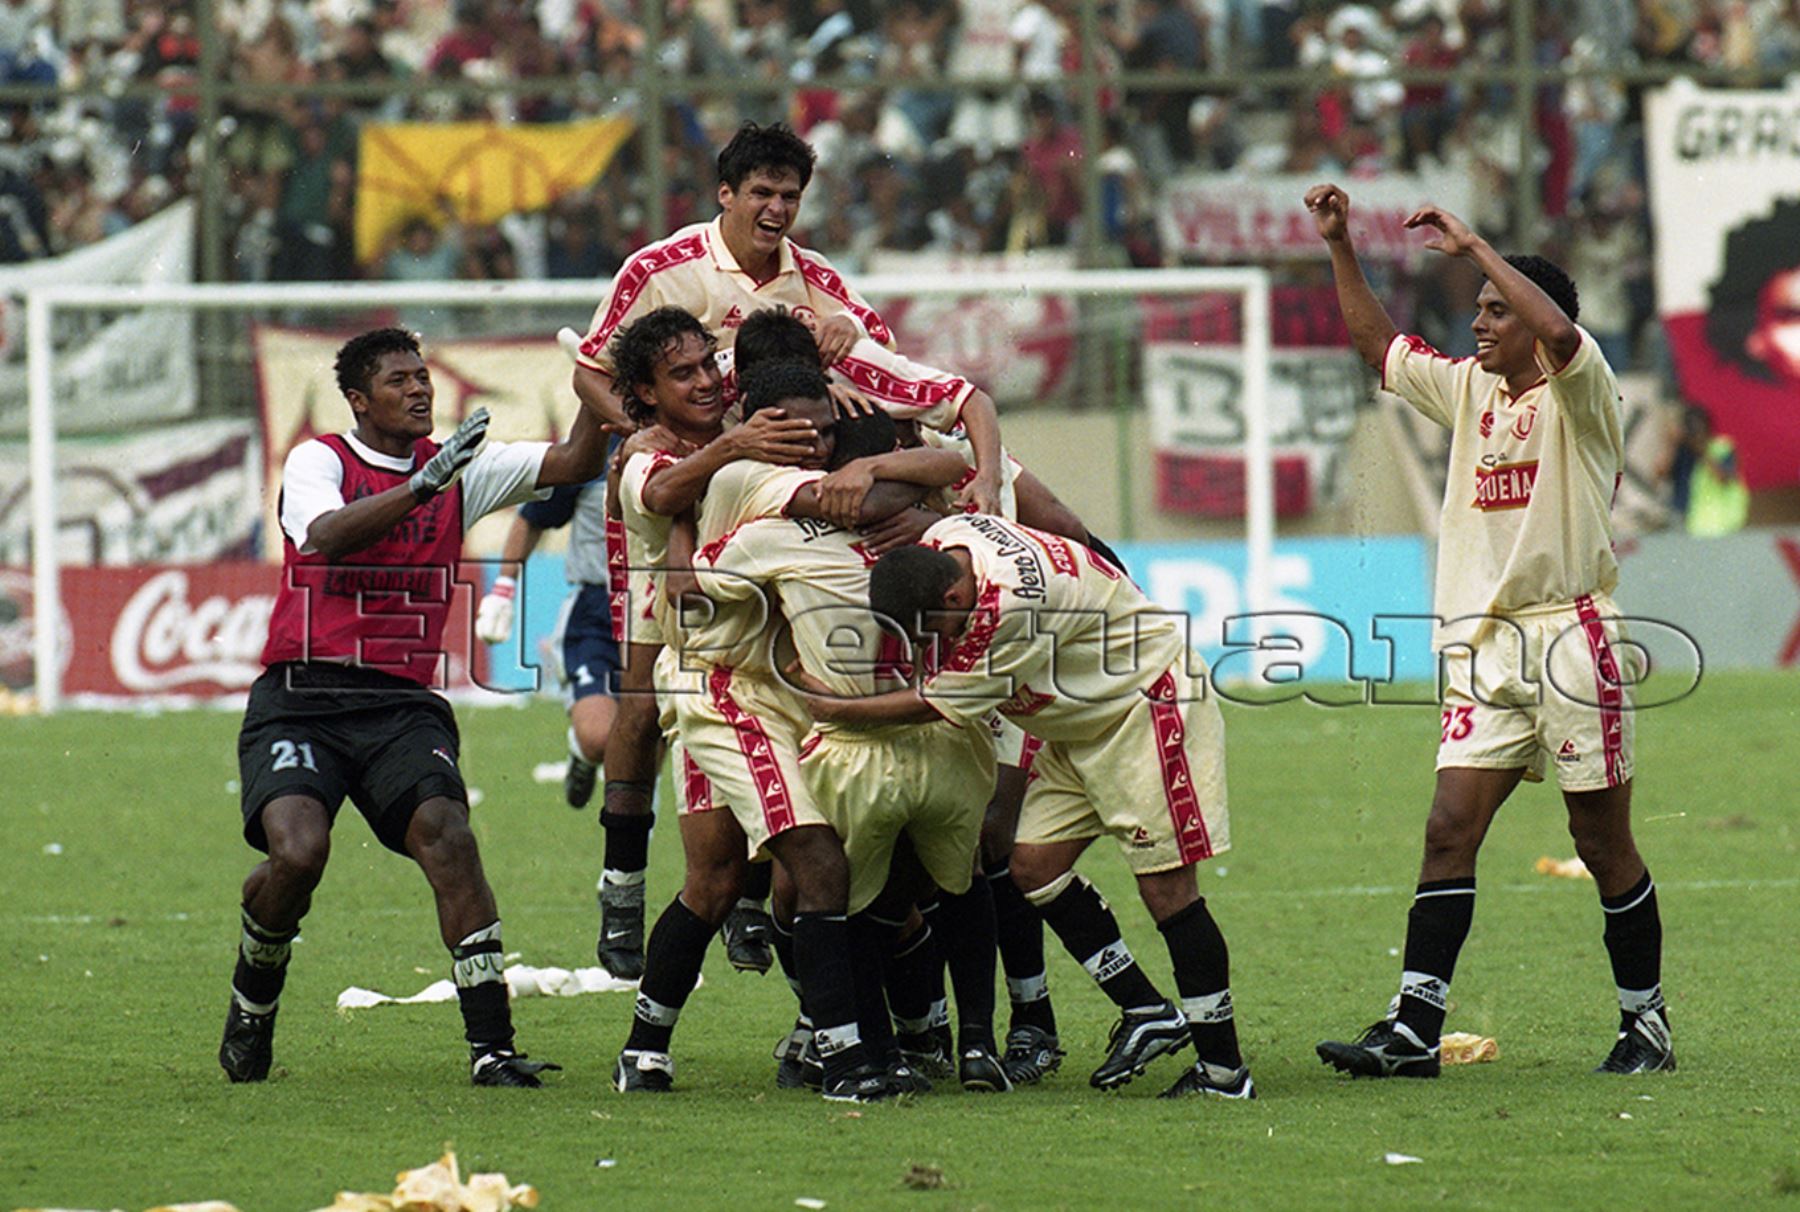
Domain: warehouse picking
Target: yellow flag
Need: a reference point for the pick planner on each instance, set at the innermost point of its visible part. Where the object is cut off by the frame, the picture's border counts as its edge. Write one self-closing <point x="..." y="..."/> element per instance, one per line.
<point x="481" y="169"/>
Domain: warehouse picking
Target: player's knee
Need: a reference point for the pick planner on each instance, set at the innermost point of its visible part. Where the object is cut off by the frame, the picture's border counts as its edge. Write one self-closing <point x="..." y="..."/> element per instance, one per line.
<point x="815" y="859"/>
<point x="297" y="858"/>
<point x="1450" y="831"/>
<point x="440" y="838"/>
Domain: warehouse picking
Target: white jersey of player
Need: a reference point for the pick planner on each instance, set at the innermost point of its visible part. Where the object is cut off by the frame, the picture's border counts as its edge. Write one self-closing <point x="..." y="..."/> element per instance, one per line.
<point x="904" y="389"/>
<point x="694" y="270"/>
<point x="1059" y="641"/>
<point x="637" y="594"/>
<point x="1527" y="515"/>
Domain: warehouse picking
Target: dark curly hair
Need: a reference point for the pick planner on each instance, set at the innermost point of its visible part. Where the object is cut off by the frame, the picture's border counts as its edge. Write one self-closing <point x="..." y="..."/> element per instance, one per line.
<point x="1754" y="252"/>
<point x="909" y="583"/>
<point x="772" y="335"/>
<point x="769" y="383"/>
<point x="644" y="343"/>
<point x="774" y="148"/>
<point x="358" y="357"/>
<point x="1550" y="278"/>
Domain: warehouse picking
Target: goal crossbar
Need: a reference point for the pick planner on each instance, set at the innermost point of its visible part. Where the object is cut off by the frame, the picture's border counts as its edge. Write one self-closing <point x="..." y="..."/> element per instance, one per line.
<point x="43" y="302"/>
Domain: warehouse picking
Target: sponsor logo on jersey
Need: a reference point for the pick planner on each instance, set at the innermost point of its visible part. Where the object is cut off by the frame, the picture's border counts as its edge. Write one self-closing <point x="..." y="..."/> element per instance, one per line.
<point x="1487" y="423"/>
<point x="1568" y="753"/>
<point x="1506" y="486"/>
<point x="1141" y="839"/>
<point x="733" y="318"/>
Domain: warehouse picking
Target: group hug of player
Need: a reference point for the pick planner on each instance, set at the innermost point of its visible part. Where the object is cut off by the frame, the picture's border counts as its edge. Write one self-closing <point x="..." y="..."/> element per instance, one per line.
<point x="886" y="666"/>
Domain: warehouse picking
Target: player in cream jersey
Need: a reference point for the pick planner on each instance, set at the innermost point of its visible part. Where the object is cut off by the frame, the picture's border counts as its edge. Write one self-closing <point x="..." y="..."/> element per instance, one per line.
<point x="1061" y="642"/>
<point x="1531" y="639"/>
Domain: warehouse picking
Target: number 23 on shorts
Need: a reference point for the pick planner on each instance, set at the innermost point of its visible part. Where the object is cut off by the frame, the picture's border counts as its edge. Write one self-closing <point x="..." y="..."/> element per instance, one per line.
<point x="1459" y="722"/>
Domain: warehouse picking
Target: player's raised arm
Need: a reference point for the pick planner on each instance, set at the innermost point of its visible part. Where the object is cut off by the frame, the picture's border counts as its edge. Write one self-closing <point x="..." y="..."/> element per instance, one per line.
<point x="982" y="422"/>
<point x="364" y="522"/>
<point x="579" y="457"/>
<point x="1536" y="310"/>
<point x="1371" y="330"/>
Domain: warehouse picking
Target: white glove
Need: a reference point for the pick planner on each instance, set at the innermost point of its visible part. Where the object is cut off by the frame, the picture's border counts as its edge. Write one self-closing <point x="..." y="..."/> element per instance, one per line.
<point x="444" y="468"/>
<point x="570" y="340"/>
<point x="494" y="616"/>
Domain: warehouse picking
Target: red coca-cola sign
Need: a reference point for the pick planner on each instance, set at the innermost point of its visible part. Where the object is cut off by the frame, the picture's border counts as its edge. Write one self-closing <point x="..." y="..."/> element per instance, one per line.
<point x="184" y="631"/>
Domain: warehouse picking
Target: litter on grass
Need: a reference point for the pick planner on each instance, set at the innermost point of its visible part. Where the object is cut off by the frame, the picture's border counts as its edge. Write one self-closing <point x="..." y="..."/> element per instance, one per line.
<point x="522" y="980"/>
<point x="1566" y="869"/>
<point x="1464" y="1048"/>
<point x="1400" y="1159"/>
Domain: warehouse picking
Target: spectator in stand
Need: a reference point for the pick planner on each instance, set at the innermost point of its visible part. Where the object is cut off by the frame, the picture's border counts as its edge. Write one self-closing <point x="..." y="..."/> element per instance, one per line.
<point x="1427" y="113"/>
<point x="1051" y="154"/>
<point x="1163" y="36"/>
<point x="24" y="218"/>
<point x="473" y="37"/>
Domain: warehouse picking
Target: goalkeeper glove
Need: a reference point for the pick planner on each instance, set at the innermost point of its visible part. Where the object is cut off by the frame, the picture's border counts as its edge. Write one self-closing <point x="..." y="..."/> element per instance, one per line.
<point x="494" y="617"/>
<point x="443" y="468"/>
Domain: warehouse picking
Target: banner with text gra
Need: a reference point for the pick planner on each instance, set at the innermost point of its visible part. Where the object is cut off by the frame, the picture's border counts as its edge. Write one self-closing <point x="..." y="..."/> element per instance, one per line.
<point x="1725" y="203"/>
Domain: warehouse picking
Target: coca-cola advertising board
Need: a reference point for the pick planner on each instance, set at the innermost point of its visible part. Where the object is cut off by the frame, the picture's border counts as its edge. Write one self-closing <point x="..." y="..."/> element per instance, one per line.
<point x="177" y="633"/>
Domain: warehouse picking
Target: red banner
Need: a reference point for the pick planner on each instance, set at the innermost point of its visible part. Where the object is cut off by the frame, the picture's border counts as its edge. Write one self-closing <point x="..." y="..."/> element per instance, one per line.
<point x="188" y="632"/>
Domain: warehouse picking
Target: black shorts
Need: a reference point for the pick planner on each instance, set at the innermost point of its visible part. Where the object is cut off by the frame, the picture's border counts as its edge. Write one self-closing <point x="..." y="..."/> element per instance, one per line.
<point x="328" y="731"/>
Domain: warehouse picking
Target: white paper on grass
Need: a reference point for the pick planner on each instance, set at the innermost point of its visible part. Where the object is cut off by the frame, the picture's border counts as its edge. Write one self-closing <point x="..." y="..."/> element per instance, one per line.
<point x="522" y="980"/>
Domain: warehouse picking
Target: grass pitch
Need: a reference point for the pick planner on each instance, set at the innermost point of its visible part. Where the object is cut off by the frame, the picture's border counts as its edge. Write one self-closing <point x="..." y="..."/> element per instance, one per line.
<point x="123" y="858"/>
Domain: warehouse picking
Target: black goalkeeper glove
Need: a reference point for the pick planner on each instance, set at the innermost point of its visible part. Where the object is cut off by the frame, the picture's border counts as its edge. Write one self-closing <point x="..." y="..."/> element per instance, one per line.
<point x="443" y="468"/>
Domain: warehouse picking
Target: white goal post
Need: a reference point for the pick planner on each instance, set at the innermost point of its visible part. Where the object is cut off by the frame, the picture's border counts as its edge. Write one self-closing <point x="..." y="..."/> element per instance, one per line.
<point x="43" y="304"/>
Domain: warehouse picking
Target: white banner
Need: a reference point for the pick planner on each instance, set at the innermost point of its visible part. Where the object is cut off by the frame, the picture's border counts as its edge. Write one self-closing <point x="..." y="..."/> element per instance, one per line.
<point x="1195" y="394"/>
<point x="1725" y="205"/>
<point x="178" y="493"/>
<point x="1226" y="218"/>
<point x="111" y="369"/>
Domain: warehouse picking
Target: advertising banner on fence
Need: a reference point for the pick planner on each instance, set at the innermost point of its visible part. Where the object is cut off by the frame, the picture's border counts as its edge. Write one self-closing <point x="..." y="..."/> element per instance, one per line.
<point x="111" y="369"/>
<point x="1228" y="218"/>
<point x="1725" y="202"/>
<point x="177" y="633"/>
<point x="191" y="490"/>
<point x="524" y="384"/>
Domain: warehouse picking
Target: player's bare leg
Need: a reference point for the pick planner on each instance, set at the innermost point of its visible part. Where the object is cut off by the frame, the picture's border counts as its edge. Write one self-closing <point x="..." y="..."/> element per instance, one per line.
<point x="1600" y="823"/>
<point x="439" y="839"/>
<point x="632" y="753"/>
<point x="1149" y="1025"/>
<point x="714" y="846"/>
<point x="1405" y="1043"/>
<point x="276" y="896"/>
<point x="590" y="723"/>
<point x="1033" y="1051"/>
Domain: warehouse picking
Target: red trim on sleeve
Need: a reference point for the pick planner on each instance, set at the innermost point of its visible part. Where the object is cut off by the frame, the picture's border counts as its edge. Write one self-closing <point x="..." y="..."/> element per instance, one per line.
<point x="820" y="275"/>
<point x="889" y="388"/>
<point x="631" y="281"/>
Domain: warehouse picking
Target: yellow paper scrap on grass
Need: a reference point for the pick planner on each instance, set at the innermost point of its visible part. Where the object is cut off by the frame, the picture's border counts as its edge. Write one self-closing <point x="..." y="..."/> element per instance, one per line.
<point x="482" y="169"/>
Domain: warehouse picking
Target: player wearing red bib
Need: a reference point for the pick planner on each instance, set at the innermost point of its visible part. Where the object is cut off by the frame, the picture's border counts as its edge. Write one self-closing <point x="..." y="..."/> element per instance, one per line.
<point x="373" y="523"/>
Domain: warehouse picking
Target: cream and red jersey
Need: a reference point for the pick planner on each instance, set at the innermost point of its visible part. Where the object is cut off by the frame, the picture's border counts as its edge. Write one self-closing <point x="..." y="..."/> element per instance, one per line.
<point x="904" y="389"/>
<point x="1059" y="641"/>
<point x="694" y="270"/>
<point x="819" y="574"/>
<point x="1527" y="515"/>
<point x="640" y="614"/>
<point x="737" y="634"/>
<point x="384" y="607"/>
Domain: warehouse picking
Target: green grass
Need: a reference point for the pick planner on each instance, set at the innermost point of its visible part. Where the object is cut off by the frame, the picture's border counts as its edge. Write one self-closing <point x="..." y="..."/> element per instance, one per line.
<point x="118" y="950"/>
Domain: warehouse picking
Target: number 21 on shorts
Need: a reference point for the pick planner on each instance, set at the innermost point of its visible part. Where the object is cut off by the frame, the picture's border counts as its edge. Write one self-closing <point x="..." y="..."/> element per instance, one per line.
<point x="290" y="756"/>
<point x="1459" y="722"/>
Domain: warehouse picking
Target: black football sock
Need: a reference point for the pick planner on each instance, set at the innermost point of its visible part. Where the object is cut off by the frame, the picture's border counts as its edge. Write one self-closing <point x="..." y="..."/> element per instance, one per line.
<point x="871" y="938"/>
<point x="478" y="967"/>
<point x="934" y="975"/>
<point x="1203" y="978"/>
<point x="967" y="922"/>
<point x="756" y="883"/>
<point x="672" y="959"/>
<point x="627" y="844"/>
<point x="1081" y="918"/>
<point x="781" y="938"/>
<point x="910" y="969"/>
<point x="822" y="957"/>
<point x="262" y="965"/>
<point x="1435" y="929"/>
<point x="1020" y="929"/>
<point x="1634" y="943"/>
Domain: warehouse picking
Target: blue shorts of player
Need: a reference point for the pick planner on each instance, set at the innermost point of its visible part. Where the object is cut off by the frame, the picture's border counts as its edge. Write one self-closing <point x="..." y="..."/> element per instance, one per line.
<point x="590" y="654"/>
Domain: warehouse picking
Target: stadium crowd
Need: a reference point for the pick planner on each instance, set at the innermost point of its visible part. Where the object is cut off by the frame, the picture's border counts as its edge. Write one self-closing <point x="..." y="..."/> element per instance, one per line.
<point x="924" y="168"/>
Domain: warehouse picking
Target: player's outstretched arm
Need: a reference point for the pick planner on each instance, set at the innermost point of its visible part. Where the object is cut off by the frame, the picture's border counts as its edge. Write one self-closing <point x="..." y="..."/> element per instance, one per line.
<point x="579" y="457"/>
<point x="595" y="390"/>
<point x="363" y="523"/>
<point x="769" y="436"/>
<point x="1371" y="329"/>
<point x="1535" y="309"/>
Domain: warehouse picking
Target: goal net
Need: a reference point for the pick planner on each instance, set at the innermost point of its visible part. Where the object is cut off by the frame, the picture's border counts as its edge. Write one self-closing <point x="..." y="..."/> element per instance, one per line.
<point x="139" y="557"/>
